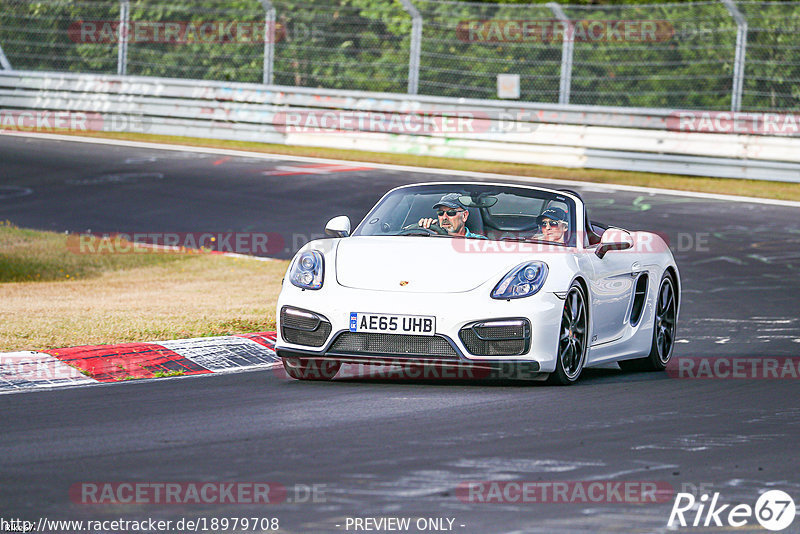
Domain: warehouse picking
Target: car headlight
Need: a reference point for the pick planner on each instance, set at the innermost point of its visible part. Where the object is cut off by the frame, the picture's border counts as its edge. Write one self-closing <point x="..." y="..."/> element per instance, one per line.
<point x="523" y="280"/>
<point x="307" y="270"/>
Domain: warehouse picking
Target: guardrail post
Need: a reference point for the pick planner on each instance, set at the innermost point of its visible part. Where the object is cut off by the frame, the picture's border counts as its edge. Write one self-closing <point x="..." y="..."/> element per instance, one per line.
<point x="739" y="58"/>
<point x="269" y="41"/>
<point x="124" y="32"/>
<point x="567" y="50"/>
<point x="4" y="60"/>
<point x="414" y="49"/>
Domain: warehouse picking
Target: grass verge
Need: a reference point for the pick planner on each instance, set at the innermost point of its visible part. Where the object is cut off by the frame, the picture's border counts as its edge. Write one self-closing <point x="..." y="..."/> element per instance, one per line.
<point x="750" y="188"/>
<point x="117" y="298"/>
<point x="34" y="256"/>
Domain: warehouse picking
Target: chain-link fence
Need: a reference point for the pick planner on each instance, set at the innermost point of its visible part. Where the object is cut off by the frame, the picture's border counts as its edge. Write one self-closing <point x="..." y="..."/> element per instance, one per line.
<point x="715" y="55"/>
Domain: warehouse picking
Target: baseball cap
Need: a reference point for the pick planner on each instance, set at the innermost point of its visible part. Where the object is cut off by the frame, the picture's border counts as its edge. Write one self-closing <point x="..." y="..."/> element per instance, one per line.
<point x="556" y="214"/>
<point x="450" y="200"/>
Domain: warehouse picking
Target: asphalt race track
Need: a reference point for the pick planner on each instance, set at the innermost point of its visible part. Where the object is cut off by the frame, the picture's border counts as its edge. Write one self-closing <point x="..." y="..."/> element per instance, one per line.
<point x="378" y="448"/>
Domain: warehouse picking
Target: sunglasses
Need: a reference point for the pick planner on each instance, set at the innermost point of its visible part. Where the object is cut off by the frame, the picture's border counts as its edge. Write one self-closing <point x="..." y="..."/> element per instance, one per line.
<point x="550" y="223"/>
<point x="450" y="213"/>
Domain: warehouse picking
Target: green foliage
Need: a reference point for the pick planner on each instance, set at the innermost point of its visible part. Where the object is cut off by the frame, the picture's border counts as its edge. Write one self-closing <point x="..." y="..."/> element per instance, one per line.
<point x="364" y="45"/>
<point x="167" y="374"/>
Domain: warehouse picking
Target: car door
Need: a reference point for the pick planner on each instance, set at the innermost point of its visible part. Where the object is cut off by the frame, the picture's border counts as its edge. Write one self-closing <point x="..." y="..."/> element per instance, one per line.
<point x="611" y="290"/>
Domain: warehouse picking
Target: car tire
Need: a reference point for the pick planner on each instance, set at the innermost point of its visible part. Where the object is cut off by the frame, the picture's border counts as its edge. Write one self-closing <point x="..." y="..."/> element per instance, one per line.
<point x="664" y="328"/>
<point x="310" y="368"/>
<point x="572" y="338"/>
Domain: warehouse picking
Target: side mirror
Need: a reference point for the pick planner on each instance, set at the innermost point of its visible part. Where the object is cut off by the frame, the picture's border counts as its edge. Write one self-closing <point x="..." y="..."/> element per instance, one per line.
<point x="614" y="239"/>
<point x="338" y="226"/>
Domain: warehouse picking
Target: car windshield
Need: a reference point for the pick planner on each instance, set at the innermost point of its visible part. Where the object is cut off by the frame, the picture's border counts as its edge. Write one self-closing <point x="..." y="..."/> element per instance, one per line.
<point x="493" y="211"/>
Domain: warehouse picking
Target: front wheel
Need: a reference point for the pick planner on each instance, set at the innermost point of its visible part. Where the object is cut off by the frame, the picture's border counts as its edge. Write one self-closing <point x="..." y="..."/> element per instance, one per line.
<point x="310" y="368"/>
<point x="572" y="344"/>
<point x="663" y="332"/>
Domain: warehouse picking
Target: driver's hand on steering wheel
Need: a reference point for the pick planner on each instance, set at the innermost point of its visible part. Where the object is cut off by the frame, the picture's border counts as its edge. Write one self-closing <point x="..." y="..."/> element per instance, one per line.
<point x="426" y="222"/>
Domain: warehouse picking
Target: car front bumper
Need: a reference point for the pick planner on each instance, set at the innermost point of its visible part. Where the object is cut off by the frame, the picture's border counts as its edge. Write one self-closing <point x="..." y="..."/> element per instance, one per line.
<point x="453" y="312"/>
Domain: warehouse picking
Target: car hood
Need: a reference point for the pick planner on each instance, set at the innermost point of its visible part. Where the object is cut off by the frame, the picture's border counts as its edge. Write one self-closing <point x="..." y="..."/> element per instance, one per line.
<point x="418" y="264"/>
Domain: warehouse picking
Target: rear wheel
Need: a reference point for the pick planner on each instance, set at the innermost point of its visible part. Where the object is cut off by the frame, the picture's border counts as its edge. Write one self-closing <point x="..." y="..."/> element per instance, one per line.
<point x="572" y="338"/>
<point x="310" y="368"/>
<point x="664" y="330"/>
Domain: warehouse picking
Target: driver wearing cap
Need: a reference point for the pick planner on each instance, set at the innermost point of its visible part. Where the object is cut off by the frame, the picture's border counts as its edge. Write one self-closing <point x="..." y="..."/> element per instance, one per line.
<point x="452" y="215"/>
<point x="553" y="225"/>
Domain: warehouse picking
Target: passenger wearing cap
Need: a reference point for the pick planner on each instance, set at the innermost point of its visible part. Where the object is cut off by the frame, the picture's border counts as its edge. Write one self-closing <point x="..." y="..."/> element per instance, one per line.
<point x="553" y="225"/>
<point x="452" y="215"/>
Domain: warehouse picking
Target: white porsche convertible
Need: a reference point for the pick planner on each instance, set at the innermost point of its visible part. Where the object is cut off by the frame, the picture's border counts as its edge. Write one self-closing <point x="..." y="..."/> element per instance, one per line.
<point x="479" y="274"/>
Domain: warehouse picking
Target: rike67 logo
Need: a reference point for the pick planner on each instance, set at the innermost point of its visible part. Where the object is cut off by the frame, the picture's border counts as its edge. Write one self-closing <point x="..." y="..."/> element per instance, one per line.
<point x="774" y="510"/>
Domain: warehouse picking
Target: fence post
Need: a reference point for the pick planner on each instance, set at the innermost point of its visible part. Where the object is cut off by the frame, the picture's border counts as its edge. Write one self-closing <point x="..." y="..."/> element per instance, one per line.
<point x="124" y="32"/>
<point x="739" y="58"/>
<point x="269" y="41"/>
<point x="414" y="49"/>
<point x="567" y="48"/>
<point x="4" y="60"/>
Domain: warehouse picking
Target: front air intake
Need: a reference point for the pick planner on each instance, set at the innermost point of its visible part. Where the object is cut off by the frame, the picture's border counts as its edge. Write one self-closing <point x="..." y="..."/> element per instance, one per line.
<point x="498" y="337"/>
<point x="303" y="327"/>
<point x="393" y="345"/>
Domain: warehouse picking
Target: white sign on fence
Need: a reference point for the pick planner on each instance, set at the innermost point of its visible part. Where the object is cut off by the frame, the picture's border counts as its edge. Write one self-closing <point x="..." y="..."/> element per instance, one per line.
<point x="507" y="86"/>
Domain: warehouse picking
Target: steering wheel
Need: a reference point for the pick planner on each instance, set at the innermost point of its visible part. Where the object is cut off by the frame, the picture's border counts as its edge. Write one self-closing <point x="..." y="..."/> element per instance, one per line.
<point x="415" y="229"/>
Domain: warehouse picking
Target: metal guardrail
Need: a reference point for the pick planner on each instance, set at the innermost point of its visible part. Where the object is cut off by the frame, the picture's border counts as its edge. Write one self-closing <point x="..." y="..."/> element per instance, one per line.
<point x="546" y="134"/>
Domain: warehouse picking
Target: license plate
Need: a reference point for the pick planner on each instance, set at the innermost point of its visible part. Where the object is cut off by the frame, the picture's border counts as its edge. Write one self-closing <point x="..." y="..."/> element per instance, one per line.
<point x="423" y="325"/>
